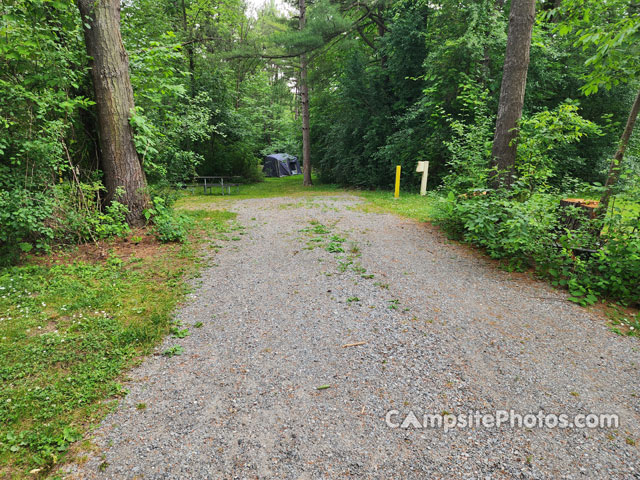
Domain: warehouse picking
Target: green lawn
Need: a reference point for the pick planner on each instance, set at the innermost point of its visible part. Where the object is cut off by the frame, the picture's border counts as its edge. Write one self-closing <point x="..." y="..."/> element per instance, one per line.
<point x="410" y="205"/>
<point x="271" y="187"/>
<point x="68" y="331"/>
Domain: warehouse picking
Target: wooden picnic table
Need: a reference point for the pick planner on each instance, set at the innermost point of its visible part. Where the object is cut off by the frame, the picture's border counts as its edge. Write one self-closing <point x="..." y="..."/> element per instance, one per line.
<point x="217" y="181"/>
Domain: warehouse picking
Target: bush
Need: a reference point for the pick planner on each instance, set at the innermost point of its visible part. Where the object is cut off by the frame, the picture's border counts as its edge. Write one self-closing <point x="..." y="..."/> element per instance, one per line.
<point x="112" y="222"/>
<point x="518" y="231"/>
<point x="23" y="217"/>
<point x="531" y="233"/>
<point x="169" y="226"/>
<point x="79" y="217"/>
<point x="65" y="213"/>
<point x="613" y="270"/>
<point x="525" y="225"/>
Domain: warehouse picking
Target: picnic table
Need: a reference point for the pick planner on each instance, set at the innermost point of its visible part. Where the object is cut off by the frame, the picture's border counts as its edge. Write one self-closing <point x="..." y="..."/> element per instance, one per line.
<point x="218" y="182"/>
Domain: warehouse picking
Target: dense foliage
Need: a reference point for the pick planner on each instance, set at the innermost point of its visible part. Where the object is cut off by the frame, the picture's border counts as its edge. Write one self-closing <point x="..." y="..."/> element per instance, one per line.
<point x="197" y="110"/>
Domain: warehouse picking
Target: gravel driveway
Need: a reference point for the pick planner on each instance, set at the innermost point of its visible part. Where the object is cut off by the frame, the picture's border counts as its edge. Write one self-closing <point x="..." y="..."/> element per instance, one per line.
<point x="445" y="332"/>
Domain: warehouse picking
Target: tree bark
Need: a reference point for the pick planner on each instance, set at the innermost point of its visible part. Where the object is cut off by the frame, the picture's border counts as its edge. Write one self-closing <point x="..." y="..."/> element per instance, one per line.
<point x="615" y="167"/>
<point x="189" y="50"/>
<point x="304" y="101"/>
<point x="114" y="101"/>
<point x="514" y="82"/>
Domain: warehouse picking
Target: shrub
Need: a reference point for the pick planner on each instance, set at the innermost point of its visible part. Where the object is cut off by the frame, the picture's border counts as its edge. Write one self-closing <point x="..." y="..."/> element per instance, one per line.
<point x="169" y="226"/>
<point x="506" y="228"/>
<point x="111" y="222"/>
<point x="23" y="216"/>
<point x="531" y="233"/>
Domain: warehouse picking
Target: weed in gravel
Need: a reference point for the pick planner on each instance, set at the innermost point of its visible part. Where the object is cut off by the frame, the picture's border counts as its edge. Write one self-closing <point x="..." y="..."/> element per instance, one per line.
<point x="393" y="304"/>
<point x="316" y="228"/>
<point x="173" y="351"/>
<point x="352" y="299"/>
<point x="343" y="265"/>
<point x="179" y="333"/>
<point x="335" y="244"/>
<point x="358" y="268"/>
<point x="313" y="243"/>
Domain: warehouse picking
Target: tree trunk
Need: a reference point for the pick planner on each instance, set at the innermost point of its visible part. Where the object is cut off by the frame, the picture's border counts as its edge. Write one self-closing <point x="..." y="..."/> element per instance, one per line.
<point x="304" y="101"/>
<point x="514" y="82"/>
<point x="615" y="167"/>
<point x="189" y="50"/>
<point x="114" y="101"/>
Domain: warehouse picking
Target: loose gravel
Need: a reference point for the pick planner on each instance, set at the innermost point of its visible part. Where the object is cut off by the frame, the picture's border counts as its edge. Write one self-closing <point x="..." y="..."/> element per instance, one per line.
<point x="445" y="331"/>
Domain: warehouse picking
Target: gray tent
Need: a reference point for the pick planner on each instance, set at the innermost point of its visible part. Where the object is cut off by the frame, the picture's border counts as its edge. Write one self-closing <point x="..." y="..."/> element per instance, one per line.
<point x="281" y="165"/>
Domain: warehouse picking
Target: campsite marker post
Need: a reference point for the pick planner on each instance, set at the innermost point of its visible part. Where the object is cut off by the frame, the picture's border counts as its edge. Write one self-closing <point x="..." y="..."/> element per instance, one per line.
<point x="424" y="168"/>
<point x="396" y="194"/>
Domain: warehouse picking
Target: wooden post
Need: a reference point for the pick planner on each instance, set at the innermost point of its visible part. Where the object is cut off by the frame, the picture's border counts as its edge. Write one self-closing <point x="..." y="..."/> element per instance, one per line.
<point x="397" y="191"/>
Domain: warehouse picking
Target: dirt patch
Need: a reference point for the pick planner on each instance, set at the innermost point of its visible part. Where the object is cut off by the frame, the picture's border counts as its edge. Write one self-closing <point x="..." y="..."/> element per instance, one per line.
<point x="140" y="244"/>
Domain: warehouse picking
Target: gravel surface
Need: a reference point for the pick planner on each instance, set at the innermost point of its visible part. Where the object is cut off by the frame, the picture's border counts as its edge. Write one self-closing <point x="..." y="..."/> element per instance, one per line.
<point x="445" y="331"/>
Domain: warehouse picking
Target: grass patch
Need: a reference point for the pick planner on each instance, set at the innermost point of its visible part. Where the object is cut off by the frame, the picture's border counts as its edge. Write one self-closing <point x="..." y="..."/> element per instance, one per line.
<point x="410" y="205"/>
<point x="271" y="187"/>
<point x="69" y="329"/>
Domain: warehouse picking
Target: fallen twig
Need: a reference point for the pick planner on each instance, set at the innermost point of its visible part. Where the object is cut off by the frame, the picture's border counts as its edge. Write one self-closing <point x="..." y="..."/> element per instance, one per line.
<point x="356" y="344"/>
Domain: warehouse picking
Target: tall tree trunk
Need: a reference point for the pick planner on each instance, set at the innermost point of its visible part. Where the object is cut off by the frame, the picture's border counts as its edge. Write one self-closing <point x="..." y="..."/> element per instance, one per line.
<point x="514" y="82"/>
<point x="615" y="167"/>
<point x="189" y="50"/>
<point x="114" y="100"/>
<point x="304" y="101"/>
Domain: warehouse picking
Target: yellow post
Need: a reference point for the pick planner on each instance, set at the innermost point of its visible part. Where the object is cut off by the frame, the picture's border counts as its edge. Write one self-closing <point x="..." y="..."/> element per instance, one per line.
<point x="397" y="192"/>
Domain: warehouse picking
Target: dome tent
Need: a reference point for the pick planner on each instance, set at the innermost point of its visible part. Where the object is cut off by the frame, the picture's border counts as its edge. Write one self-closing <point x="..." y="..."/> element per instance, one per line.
<point x="281" y="165"/>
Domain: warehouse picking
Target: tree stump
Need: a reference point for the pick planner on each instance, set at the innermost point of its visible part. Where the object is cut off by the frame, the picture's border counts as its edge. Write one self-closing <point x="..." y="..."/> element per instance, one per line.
<point x="574" y="218"/>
